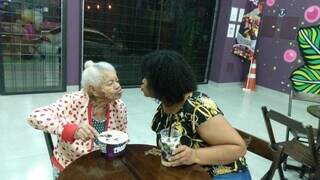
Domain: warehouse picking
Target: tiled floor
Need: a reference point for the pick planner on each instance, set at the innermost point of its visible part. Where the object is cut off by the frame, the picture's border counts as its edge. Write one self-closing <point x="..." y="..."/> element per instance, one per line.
<point x="23" y="153"/>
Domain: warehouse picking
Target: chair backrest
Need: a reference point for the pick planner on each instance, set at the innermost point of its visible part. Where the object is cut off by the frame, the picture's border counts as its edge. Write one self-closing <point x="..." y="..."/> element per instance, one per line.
<point x="49" y="143"/>
<point x="292" y="124"/>
<point x="256" y="145"/>
<point x="262" y="148"/>
<point x="301" y="96"/>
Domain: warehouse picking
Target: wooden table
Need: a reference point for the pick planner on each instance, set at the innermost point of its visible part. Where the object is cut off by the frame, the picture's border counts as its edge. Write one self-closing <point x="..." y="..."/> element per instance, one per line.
<point x="135" y="163"/>
<point x="314" y="110"/>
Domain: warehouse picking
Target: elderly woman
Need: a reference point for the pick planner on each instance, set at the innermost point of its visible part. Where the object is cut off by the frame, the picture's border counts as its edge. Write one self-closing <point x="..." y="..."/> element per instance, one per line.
<point x="78" y="118"/>
<point x="207" y="138"/>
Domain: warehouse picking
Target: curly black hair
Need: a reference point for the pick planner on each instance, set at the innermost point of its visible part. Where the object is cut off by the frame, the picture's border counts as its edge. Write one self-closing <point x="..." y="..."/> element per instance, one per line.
<point x="169" y="76"/>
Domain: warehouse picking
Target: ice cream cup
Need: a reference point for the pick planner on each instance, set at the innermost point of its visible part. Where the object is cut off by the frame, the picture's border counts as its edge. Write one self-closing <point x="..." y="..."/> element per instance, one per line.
<point x="113" y="143"/>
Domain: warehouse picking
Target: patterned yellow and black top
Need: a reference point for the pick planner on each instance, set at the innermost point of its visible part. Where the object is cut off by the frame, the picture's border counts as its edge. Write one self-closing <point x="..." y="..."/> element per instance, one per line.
<point x="197" y="109"/>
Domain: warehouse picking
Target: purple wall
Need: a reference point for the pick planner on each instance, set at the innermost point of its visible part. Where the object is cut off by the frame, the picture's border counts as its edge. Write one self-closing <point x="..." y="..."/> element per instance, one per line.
<point x="225" y="66"/>
<point x="272" y="70"/>
<point x="73" y="32"/>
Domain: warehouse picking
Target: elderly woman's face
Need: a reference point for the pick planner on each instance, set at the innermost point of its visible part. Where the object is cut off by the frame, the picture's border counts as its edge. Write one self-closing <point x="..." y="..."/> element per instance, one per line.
<point x="110" y="88"/>
<point x="145" y="89"/>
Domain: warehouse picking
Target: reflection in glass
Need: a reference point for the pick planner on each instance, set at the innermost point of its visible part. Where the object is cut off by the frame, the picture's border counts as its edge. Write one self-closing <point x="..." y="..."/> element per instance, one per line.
<point x="122" y="31"/>
<point x="30" y="45"/>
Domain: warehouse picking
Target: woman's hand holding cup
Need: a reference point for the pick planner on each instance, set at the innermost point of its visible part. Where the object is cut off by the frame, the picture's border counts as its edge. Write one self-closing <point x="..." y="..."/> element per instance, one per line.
<point x="183" y="155"/>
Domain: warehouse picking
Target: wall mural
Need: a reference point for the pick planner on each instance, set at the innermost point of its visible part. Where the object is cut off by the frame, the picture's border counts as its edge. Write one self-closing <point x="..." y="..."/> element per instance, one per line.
<point x="307" y="78"/>
<point x="279" y="51"/>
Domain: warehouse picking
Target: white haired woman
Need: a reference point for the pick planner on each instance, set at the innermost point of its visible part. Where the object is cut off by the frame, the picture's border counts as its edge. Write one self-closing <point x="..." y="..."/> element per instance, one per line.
<point x="78" y="118"/>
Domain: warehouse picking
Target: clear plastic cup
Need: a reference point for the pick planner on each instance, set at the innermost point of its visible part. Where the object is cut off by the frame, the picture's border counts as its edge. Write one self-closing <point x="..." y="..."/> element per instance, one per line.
<point x="168" y="144"/>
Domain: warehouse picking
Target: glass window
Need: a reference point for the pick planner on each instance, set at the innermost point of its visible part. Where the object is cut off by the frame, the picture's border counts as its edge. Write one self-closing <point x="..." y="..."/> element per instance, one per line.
<point x="31" y="46"/>
<point x="97" y="37"/>
<point x="137" y="27"/>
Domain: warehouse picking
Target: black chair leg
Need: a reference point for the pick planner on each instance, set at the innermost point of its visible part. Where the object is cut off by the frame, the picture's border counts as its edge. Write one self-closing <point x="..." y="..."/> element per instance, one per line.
<point x="303" y="171"/>
<point x="275" y="164"/>
<point x="311" y="175"/>
<point x="285" y="160"/>
<point x="281" y="173"/>
<point x="285" y="165"/>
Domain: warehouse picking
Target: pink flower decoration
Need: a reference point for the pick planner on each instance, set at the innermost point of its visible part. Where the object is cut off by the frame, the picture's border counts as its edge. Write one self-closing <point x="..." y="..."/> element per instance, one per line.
<point x="270" y="2"/>
<point x="290" y="55"/>
<point x="312" y="14"/>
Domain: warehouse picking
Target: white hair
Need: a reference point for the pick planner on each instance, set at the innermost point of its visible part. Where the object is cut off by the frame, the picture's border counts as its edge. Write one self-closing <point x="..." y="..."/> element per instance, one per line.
<point x="93" y="74"/>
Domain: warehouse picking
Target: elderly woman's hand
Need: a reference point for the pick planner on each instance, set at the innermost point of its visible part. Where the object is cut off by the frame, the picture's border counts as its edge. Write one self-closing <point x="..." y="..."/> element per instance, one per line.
<point x="85" y="132"/>
<point x="183" y="155"/>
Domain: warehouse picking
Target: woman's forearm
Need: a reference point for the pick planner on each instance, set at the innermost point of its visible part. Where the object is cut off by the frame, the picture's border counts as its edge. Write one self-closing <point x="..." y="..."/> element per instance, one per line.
<point x="220" y="154"/>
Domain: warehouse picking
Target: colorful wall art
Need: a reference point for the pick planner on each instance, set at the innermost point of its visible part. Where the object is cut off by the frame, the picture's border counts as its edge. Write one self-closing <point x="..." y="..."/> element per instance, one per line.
<point x="287" y="38"/>
<point x="307" y="77"/>
<point x="277" y="48"/>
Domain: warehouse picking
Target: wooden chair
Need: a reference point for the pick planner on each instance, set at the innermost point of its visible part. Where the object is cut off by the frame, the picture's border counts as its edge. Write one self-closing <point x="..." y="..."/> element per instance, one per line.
<point x="300" y="96"/>
<point x="305" y="154"/>
<point x="262" y="148"/>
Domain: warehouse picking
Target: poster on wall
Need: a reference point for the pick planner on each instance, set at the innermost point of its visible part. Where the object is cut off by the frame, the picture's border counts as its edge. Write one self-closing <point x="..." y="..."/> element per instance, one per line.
<point x="248" y="32"/>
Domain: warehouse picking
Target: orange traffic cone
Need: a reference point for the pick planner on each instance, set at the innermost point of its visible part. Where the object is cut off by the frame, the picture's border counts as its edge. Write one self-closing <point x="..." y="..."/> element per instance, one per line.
<point x="250" y="83"/>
